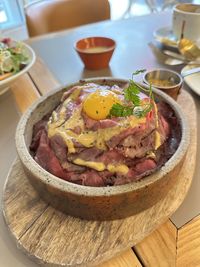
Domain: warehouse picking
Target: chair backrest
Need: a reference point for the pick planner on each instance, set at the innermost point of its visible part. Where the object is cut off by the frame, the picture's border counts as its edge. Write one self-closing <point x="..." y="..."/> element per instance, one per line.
<point x="54" y="15"/>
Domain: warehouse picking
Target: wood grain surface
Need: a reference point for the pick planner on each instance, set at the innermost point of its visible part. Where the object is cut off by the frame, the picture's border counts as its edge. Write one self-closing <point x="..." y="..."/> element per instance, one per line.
<point x="42" y="77"/>
<point x="53" y="238"/>
<point x="126" y="259"/>
<point x="24" y="92"/>
<point x="29" y="87"/>
<point x="159" y="248"/>
<point x="188" y="245"/>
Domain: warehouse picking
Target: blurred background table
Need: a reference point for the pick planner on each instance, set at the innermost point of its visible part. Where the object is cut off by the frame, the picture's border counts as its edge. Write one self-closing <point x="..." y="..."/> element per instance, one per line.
<point x="178" y="239"/>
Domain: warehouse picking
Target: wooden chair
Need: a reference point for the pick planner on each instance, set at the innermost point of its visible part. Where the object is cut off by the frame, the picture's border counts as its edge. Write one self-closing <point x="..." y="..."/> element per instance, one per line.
<point x="53" y="15"/>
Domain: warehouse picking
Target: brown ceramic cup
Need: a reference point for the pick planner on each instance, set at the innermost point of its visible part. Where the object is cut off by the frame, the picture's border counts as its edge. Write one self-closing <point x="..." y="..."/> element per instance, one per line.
<point x="166" y="80"/>
<point x="95" y="52"/>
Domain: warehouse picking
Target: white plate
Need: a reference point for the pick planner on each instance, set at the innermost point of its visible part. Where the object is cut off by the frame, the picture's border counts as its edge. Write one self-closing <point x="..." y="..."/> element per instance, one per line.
<point x="4" y="84"/>
<point x="165" y="36"/>
<point x="193" y="80"/>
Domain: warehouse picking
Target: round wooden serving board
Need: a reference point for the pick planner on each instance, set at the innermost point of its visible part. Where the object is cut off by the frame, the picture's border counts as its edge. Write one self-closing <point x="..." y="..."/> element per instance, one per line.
<point x="55" y="239"/>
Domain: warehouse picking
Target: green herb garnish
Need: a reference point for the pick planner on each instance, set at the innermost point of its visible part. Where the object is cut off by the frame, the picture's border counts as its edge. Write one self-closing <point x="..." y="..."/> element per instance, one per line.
<point x="118" y="110"/>
<point x="133" y="106"/>
<point x="131" y="93"/>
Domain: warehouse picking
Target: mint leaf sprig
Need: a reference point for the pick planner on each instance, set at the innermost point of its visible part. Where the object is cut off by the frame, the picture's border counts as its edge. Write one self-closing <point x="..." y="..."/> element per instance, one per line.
<point x="131" y="95"/>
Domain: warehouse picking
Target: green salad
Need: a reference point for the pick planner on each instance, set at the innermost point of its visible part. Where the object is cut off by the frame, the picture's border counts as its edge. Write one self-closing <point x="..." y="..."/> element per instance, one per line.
<point x="13" y="57"/>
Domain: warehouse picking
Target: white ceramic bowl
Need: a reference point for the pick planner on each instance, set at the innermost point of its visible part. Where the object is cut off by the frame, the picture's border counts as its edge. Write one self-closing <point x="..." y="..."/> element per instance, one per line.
<point x="4" y="84"/>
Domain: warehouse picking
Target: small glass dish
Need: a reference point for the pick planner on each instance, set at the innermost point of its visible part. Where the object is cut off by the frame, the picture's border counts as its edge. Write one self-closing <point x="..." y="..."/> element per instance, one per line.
<point x="166" y="80"/>
<point x="95" y="52"/>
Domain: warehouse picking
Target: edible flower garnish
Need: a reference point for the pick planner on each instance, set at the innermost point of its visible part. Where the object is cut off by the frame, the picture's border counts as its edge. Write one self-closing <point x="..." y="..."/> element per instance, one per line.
<point x="134" y="104"/>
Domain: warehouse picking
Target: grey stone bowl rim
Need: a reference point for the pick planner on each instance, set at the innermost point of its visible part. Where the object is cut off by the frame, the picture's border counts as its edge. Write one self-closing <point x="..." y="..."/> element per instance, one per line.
<point x="82" y="190"/>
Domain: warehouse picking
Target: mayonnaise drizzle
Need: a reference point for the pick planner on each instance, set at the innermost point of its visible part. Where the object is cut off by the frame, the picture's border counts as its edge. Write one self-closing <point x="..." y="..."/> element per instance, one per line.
<point x="58" y="125"/>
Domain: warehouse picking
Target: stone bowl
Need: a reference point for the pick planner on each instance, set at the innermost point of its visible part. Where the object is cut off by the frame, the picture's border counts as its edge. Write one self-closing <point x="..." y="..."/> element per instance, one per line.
<point x="98" y="203"/>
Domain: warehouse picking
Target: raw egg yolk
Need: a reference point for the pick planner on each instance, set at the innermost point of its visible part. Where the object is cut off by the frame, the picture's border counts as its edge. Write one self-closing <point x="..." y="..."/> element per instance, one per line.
<point x="97" y="105"/>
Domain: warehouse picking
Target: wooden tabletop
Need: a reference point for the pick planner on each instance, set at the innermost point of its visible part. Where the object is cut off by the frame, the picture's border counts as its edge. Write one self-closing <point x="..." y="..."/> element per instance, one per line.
<point x="177" y="242"/>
